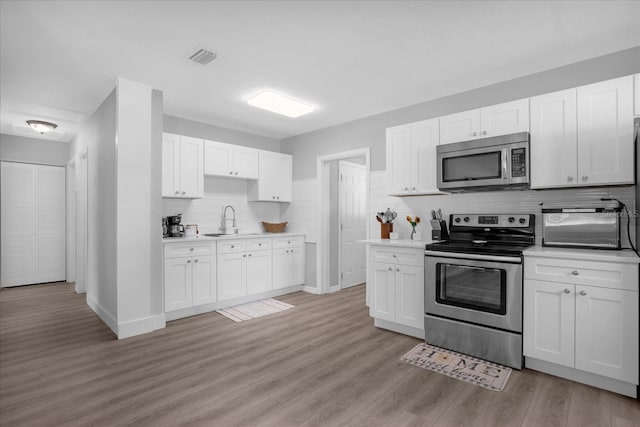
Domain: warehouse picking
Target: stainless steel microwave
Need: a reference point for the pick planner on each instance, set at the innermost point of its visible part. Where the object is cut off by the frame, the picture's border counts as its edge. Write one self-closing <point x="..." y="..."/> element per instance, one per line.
<point x="495" y="163"/>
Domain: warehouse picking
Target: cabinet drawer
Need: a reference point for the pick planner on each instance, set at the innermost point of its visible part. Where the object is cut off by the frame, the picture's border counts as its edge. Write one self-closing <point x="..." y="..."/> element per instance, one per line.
<point x="405" y="256"/>
<point x="595" y="273"/>
<point x="175" y="250"/>
<point x="231" y="246"/>
<point x="258" y="244"/>
<point x="287" y="242"/>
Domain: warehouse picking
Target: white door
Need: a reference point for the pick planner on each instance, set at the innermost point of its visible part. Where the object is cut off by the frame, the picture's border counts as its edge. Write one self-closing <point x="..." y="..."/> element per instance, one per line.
<point x="50" y="220"/>
<point x="398" y="150"/>
<point x="460" y="126"/>
<point x="281" y="268"/>
<point x="382" y="304"/>
<point x="191" y="167"/>
<point x="607" y="332"/>
<point x="232" y="282"/>
<point x="425" y="137"/>
<point x="605" y="132"/>
<point x="218" y="158"/>
<point x="245" y="162"/>
<point x="352" y="206"/>
<point x="204" y="279"/>
<point x="259" y="272"/>
<point x="177" y="283"/>
<point x="170" y="165"/>
<point x="410" y="296"/>
<point x="548" y="321"/>
<point x="505" y="118"/>
<point x="554" y="140"/>
<point x="19" y="224"/>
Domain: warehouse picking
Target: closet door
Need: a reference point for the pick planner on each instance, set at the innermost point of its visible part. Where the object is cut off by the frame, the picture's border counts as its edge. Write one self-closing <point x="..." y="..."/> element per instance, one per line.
<point x="50" y="208"/>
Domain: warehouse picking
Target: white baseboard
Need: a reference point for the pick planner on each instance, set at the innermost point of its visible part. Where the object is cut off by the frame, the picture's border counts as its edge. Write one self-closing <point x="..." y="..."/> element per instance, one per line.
<point x="311" y="290"/>
<point x="103" y="314"/>
<point x="401" y="329"/>
<point x="583" y="377"/>
<point x="141" y="326"/>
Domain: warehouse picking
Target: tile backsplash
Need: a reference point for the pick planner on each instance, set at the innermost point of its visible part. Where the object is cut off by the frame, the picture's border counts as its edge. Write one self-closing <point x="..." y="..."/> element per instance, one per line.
<point x="219" y="192"/>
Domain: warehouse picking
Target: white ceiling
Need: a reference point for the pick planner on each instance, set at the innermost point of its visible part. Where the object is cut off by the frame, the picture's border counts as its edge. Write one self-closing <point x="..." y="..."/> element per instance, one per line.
<point x="350" y="59"/>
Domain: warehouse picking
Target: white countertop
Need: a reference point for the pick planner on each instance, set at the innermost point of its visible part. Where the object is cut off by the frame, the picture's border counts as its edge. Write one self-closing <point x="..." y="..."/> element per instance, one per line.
<point x="401" y="243"/>
<point x="624" y="256"/>
<point x="203" y="238"/>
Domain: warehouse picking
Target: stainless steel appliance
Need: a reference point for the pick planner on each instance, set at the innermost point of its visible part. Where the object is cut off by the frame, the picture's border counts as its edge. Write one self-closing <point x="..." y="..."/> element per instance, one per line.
<point x="597" y="228"/>
<point x="473" y="286"/>
<point x="500" y="162"/>
<point x="174" y="228"/>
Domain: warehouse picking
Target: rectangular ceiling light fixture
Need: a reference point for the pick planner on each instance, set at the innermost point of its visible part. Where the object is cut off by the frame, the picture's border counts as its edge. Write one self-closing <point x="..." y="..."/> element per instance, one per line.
<point x="280" y="104"/>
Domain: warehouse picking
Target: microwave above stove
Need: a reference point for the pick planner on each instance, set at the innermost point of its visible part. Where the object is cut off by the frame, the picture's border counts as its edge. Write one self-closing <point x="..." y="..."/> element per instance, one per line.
<point x="496" y="163"/>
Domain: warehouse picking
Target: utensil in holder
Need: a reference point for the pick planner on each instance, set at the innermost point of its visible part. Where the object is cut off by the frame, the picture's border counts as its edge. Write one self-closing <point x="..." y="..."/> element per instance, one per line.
<point x="439" y="230"/>
<point x="385" y="229"/>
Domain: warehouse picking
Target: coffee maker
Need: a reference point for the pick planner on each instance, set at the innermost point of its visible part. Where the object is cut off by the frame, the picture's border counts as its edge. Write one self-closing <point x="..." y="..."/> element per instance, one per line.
<point x="174" y="228"/>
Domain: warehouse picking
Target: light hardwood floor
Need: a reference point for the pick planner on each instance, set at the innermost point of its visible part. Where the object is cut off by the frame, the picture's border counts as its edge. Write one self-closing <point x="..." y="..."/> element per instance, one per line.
<point x="321" y="363"/>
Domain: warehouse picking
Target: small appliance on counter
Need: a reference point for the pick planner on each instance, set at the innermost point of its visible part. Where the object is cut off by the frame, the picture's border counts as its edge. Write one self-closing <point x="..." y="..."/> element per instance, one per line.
<point x="588" y="228"/>
<point x="438" y="225"/>
<point x="174" y="228"/>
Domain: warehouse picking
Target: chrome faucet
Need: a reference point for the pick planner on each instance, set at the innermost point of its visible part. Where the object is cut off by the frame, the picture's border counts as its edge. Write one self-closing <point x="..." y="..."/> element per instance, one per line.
<point x="223" y="222"/>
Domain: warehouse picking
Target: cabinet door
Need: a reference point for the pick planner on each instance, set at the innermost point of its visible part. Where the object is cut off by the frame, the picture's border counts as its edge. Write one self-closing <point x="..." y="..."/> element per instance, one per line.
<point x="296" y="256"/>
<point x="409" y="296"/>
<point x="259" y="272"/>
<point x="554" y="140"/>
<point x="607" y="332"/>
<point x="218" y="158"/>
<point x="191" y="167"/>
<point x="231" y="276"/>
<point x="605" y="132"/>
<point x="505" y="118"/>
<point x="281" y="268"/>
<point x="548" y="321"/>
<point x="245" y="162"/>
<point x="399" y="160"/>
<point x="460" y="127"/>
<point x="204" y="279"/>
<point x="177" y="284"/>
<point x="382" y="291"/>
<point x="170" y="165"/>
<point x="425" y="136"/>
<point x="275" y="176"/>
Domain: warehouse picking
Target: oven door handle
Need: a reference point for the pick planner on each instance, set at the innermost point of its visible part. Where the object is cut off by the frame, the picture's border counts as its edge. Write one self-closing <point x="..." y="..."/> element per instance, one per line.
<point x="495" y="258"/>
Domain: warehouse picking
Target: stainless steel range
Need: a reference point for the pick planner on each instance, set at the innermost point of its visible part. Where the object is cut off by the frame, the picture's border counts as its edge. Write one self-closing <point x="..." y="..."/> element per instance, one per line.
<point x="473" y="286"/>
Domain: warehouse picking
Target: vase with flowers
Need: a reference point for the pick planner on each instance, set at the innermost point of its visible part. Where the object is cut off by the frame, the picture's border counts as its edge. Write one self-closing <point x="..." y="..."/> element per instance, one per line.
<point x="415" y="221"/>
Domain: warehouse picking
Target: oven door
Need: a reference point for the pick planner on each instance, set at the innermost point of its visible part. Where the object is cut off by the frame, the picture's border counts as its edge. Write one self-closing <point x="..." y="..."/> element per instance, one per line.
<point x="481" y="289"/>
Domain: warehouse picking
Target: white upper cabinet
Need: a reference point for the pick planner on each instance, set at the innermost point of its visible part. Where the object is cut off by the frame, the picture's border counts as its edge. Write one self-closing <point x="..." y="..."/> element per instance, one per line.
<point x="554" y="140"/>
<point x="229" y="160"/>
<point x="411" y="157"/>
<point x="583" y="136"/>
<point x="499" y="119"/>
<point x="605" y="132"/>
<point x="275" y="175"/>
<point x="182" y="166"/>
<point x="636" y="94"/>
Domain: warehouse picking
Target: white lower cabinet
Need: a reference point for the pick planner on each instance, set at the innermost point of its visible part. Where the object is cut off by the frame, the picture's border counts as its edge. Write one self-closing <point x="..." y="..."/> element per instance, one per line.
<point x="244" y="273"/>
<point x="396" y="289"/>
<point x="189" y="280"/>
<point x="288" y="262"/>
<point x="582" y="315"/>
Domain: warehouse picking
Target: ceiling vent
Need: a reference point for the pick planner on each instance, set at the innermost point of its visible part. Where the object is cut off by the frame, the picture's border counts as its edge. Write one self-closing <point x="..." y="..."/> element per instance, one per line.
<point x="203" y="57"/>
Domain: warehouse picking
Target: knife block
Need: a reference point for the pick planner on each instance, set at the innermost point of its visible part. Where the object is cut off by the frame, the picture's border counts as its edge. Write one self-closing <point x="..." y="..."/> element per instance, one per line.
<point x="385" y="229"/>
<point x="439" y="231"/>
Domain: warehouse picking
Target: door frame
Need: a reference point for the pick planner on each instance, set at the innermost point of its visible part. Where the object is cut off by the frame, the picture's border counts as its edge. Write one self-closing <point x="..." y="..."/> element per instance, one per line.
<point x="82" y="222"/>
<point x="323" y="173"/>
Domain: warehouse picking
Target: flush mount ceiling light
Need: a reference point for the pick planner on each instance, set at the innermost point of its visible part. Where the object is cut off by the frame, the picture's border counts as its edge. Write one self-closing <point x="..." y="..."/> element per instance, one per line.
<point x="42" y="127"/>
<point x="280" y="104"/>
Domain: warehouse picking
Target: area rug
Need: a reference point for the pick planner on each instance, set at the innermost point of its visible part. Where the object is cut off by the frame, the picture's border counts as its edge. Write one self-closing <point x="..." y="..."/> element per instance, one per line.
<point x="254" y="309"/>
<point x="459" y="366"/>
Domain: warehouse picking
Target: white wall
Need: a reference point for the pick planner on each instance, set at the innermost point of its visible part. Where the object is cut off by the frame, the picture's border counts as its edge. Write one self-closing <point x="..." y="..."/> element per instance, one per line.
<point x="33" y="150"/>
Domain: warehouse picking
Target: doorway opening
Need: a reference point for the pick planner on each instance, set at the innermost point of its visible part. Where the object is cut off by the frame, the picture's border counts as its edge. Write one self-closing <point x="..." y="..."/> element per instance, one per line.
<point x="344" y="200"/>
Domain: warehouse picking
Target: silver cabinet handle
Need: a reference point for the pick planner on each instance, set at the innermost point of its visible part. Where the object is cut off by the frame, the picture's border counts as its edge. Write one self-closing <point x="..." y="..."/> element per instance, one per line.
<point x="230" y="172"/>
<point x="583" y="293"/>
<point x="585" y="177"/>
<point x="191" y="249"/>
<point x="575" y="272"/>
<point x="184" y="192"/>
<point x="413" y="188"/>
<point x="249" y="254"/>
<point x="259" y="244"/>
<point x="188" y="261"/>
<point x="397" y="269"/>
<point x="274" y="197"/>
<point x="177" y="192"/>
<point x="287" y="251"/>
<point x="390" y="269"/>
<point x="236" y="173"/>
<point x="567" y="291"/>
<point x="278" y="197"/>
<point x="244" y="256"/>
<point x="291" y="250"/>
<point x="232" y="246"/>
<point x="484" y="132"/>
<point x="474" y="134"/>
<point x="406" y="188"/>
<point x="195" y="260"/>
<point x="569" y="178"/>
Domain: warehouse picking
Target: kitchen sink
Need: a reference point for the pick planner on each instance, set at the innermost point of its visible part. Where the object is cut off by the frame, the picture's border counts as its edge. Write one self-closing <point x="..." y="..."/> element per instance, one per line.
<point x="231" y="235"/>
<point x="214" y="234"/>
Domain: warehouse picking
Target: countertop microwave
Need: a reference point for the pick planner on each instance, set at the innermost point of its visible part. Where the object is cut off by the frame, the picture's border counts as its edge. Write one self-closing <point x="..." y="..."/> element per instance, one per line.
<point x="495" y="163"/>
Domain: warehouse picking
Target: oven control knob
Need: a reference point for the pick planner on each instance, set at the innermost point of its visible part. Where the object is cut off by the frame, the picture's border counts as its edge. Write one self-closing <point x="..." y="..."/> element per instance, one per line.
<point x="511" y="219"/>
<point x="522" y="220"/>
<point x="466" y="219"/>
<point x="457" y="219"/>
